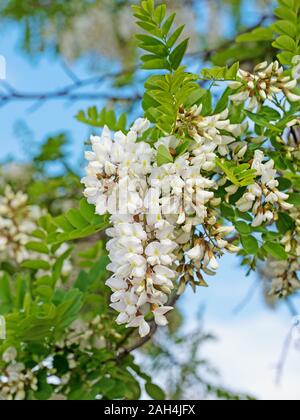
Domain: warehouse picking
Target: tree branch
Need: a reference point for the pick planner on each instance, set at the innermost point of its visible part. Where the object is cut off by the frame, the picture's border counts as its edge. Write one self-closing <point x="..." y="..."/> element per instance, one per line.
<point x="287" y="343"/>
<point x="70" y="91"/>
<point x="208" y="54"/>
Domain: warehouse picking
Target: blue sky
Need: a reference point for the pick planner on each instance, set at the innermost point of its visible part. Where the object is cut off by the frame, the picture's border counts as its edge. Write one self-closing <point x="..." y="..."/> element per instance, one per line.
<point x="249" y="342"/>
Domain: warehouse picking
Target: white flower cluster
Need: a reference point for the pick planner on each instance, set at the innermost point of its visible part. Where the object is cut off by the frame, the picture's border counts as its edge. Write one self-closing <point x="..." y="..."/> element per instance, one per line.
<point x="165" y="226"/>
<point x="15" y="378"/>
<point x="267" y="81"/>
<point x="282" y="276"/>
<point x="263" y="198"/>
<point x="12" y="173"/>
<point x="18" y="220"/>
<point x="155" y="212"/>
<point x="203" y="253"/>
<point x="86" y="335"/>
<point x="213" y="135"/>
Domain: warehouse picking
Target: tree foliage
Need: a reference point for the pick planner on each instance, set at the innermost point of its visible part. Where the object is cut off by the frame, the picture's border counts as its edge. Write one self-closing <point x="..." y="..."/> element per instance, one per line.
<point x="61" y="337"/>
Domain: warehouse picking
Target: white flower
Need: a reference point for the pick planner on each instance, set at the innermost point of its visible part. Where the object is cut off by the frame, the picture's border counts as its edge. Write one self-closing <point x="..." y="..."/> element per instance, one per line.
<point x="259" y="220"/>
<point x="286" y="206"/>
<point x="116" y="283"/>
<point x="159" y="315"/>
<point x="240" y="97"/>
<point x="160" y="252"/>
<point x="196" y="253"/>
<point x="141" y="125"/>
<point x="244" y="204"/>
<point x="292" y="97"/>
<point x="9" y="355"/>
<point x="144" y="328"/>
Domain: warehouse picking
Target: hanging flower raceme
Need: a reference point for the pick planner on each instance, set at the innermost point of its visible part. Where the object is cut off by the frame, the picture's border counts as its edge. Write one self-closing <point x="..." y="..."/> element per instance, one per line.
<point x="282" y="277"/>
<point x="155" y="212"/>
<point x="15" y="379"/>
<point x="214" y="135"/>
<point x="267" y="81"/>
<point x="263" y="198"/>
<point x="165" y="215"/>
<point x="18" y="221"/>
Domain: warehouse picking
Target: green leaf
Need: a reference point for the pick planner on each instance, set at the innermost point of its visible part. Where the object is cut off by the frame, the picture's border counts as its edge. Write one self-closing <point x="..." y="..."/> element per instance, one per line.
<point x="76" y="219"/>
<point x="105" y="385"/>
<point x="160" y="13"/>
<point x="286" y="13"/>
<point x="45" y="292"/>
<point x="149" y="40"/>
<point x="178" y="54"/>
<point x="67" y="311"/>
<point x="44" y="389"/>
<point x="250" y="244"/>
<point x="286" y="43"/>
<point x="163" y="156"/>
<point x="227" y="211"/>
<point x="294" y="198"/>
<point x="286" y="27"/>
<point x="181" y="149"/>
<point x="62" y="222"/>
<point x="275" y="250"/>
<point x="223" y="101"/>
<point x="61" y="364"/>
<point x="156" y="64"/>
<point x="262" y="121"/>
<point x="243" y="228"/>
<point x="286" y="58"/>
<point x="221" y="73"/>
<point x="239" y="175"/>
<point x="86" y="280"/>
<point x="154" y="391"/>
<point x="52" y="149"/>
<point x="174" y="37"/>
<point x="97" y="225"/>
<point x="86" y="210"/>
<point x="257" y="35"/>
<point x="6" y="301"/>
<point x="168" y="24"/>
<point x="36" y="265"/>
<point x="38" y="247"/>
<point x="285" y="223"/>
<point x="270" y="114"/>
<point x="102" y="118"/>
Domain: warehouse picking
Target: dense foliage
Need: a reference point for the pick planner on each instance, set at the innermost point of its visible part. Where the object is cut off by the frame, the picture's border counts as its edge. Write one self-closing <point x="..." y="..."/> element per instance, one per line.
<point x="229" y="138"/>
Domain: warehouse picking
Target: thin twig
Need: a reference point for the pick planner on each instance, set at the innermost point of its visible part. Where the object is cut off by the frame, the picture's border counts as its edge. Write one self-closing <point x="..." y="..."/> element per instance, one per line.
<point x="68" y="92"/>
<point x="69" y="72"/>
<point x="284" y="356"/>
<point x="287" y="344"/>
<point x="246" y="300"/>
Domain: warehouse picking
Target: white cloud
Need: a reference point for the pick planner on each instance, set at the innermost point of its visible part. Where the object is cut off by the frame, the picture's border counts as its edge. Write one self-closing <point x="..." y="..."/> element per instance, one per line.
<point x="247" y="354"/>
